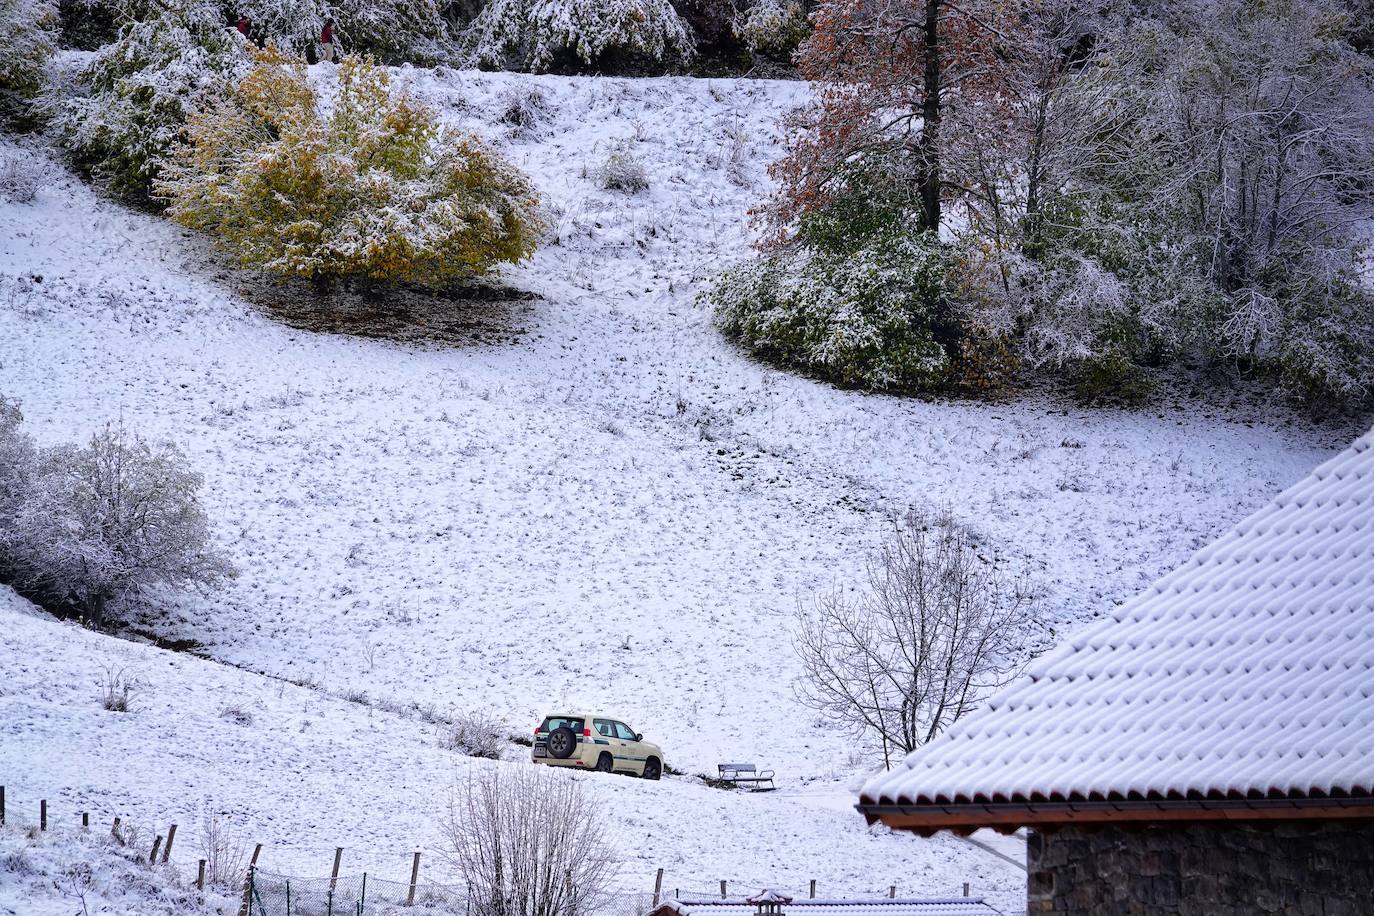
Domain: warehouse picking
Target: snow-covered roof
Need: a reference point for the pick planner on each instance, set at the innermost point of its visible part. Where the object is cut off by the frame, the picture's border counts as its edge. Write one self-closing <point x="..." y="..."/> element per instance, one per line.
<point x="1243" y="681"/>
<point x="953" y="906"/>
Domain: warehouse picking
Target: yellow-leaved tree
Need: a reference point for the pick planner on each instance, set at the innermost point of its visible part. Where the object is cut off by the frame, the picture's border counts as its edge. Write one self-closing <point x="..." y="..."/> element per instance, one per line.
<point x="374" y="188"/>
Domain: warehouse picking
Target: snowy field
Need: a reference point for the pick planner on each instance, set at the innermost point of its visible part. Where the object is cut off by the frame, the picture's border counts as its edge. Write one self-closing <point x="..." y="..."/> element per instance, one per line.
<point x="596" y="502"/>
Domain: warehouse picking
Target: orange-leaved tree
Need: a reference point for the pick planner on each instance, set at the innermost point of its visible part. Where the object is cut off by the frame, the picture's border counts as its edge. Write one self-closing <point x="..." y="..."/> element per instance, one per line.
<point x="886" y="71"/>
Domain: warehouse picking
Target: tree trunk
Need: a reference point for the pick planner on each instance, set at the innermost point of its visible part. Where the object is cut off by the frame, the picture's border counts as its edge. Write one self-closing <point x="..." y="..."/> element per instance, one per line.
<point x="930" y="125"/>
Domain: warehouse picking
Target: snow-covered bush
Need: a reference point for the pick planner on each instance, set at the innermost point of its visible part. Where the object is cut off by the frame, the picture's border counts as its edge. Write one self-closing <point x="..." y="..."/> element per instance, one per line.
<point x="475" y="735"/>
<point x="17" y="455"/>
<point x="225" y="852"/>
<point x="510" y="828"/>
<point x="92" y="528"/>
<point x="772" y="28"/>
<point x="524" y="108"/>
<point x="375" y="189"/>
<point x="622" y="171"/>
<point x="21" y="176"/>
<point x="129" y="106"/>
<point x="28" y="37"/>
<point x="118" y="689"/>
<point x="544" y="35"/>
<point x="865" y="316"/>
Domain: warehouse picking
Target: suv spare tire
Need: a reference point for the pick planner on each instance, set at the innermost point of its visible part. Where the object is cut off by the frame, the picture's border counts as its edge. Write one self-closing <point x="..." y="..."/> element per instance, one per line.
<point x="562" y="742"/>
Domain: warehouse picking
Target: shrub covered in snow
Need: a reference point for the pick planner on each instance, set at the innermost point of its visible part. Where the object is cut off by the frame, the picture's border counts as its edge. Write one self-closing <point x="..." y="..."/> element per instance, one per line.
<point x="622" y="171"/>
<point x="863" y="315"/>
<point x="28" y="37"/>
<point x="544" y="35"/>
<point x="772" y="28"/>
<point x="129" y="106"/>
<point x="374" y="189"/>
<point x="88" y="529"/>
<point x="21" y="176"/>
<point x="476" y="735"/>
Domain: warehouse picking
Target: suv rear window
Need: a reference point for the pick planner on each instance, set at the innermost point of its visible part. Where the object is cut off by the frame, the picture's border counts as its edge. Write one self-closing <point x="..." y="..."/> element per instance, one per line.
<point x="553" y="722"/>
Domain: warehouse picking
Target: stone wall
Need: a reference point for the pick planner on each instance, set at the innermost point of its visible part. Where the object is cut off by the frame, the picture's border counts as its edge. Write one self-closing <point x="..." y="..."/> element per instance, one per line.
<point x="1200" y="870"/>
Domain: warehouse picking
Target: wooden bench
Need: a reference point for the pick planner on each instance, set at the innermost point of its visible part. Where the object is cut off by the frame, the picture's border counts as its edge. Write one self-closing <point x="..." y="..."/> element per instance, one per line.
<point x="745" y="774"/>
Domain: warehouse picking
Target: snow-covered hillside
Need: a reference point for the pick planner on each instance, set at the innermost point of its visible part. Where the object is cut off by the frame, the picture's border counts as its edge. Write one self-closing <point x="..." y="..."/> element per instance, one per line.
<point x="596" y="502"/>
<point x="304" y="773"/>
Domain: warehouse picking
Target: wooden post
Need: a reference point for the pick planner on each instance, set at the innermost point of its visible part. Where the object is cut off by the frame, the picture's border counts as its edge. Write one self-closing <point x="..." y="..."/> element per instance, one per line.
<point x="2" y="806"/>
<point x="167" y="850"/>
<point x="85" y="820"/>
<point x="965" y="888"/>
<point x="43" y="814"/>
<point x="658" y="887"/>
<point x="414" y="879"/>
<point x="892" y="892"/>
<point x="334" y="875"/>
<point x="722" y="890"/>
<point x="813" y="888"/>
<point x="247" y="904"/>
<point x="114" y="828"/>
<point x="200" y="876"/>
<point x="254" y="861"/>
<point x="157" y="843"/>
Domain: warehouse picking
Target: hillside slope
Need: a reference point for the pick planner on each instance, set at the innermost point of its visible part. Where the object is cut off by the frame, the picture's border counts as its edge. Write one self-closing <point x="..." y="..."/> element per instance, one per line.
<point x="595" y="501"/>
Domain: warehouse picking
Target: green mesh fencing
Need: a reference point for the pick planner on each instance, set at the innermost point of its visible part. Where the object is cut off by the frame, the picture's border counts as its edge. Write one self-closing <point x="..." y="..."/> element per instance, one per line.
<point x="269" y="894"/>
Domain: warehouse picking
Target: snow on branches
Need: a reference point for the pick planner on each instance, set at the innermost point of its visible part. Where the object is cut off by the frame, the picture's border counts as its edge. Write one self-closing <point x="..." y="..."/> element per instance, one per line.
<point x="543" y="35"/>
<point x="376" y="188"/>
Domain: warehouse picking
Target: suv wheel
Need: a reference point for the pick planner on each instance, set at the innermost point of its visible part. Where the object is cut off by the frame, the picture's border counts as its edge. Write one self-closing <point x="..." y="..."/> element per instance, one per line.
<point x="604" y="763"/>
<point x="652" y="768"/>
<point x="562" y="742"/>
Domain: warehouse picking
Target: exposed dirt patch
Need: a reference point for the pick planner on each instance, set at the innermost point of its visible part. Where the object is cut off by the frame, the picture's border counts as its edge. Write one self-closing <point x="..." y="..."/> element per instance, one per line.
<point x="482" y="314"/>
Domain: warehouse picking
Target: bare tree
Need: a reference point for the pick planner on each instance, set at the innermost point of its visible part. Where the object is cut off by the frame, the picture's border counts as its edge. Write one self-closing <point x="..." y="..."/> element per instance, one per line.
<point x="528" y="843"/>
<point x="938" y="626"/>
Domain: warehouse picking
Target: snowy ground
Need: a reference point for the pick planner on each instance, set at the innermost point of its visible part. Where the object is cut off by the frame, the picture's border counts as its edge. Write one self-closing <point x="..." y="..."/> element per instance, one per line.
<point x="596" y="503"/>
<point x="65" y="872"/>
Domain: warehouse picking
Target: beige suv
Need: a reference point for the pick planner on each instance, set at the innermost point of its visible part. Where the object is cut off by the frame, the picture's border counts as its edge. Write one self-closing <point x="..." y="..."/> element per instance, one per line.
<point x="596" y="743"/>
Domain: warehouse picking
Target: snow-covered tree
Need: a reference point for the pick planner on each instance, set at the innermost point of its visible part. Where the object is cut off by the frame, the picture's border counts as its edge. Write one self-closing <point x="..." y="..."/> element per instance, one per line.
<point x="28" y="37"/>
<point x="772" y="28"/>
<point x="129" y="106"/>
<point x="90" y="528"/>
<point x="544" y="35"/>
<point x="1268" y="119"/>
<point x="375" y="189"/>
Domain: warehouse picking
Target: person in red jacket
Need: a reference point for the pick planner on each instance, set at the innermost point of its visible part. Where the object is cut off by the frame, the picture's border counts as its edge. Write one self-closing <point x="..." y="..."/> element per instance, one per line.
<point x="243" y="26"/>
<point x="327" y="49"/>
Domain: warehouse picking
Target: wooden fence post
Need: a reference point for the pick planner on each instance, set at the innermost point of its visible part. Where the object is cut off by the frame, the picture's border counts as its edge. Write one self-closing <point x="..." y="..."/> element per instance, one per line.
<point x="658" y="887"/>
<point x="414" y="879"/>
<point x="167" y="850"/>
<point x="246" y="907"/>
<point x="157" y="843"/>
<point x="722" y="890"/>
<point x="965" y="888"/>
<point x="114" y="828"/>
<point x="892" y="892"/>
<point x="334" y="875"/>
<point x="2" y="806"/>
<point x="813" y="888"/>
<point x="200" y="876"/>
<point x="85" y="820"/>
<point x="43" y="814"/>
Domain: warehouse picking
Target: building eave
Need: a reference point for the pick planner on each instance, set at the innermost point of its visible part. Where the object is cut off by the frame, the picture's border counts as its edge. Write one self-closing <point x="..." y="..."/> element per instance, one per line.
<point x="1010" y="816"/>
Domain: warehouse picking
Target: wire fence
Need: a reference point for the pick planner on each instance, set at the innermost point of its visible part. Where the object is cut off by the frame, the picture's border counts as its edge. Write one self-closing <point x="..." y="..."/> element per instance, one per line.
<point x="269" y="894"/>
